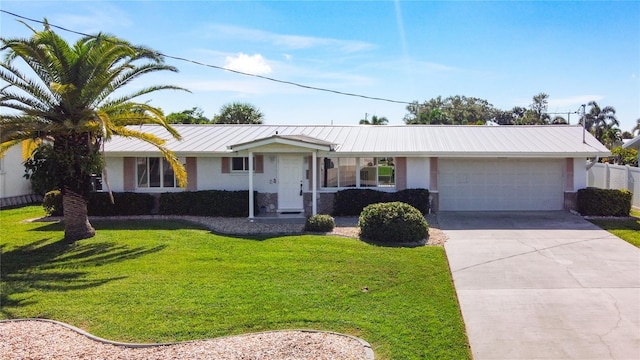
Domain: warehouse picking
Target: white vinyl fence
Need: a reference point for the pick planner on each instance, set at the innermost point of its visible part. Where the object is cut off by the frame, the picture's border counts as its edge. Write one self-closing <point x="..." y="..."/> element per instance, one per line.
<point x="607" y="176"/>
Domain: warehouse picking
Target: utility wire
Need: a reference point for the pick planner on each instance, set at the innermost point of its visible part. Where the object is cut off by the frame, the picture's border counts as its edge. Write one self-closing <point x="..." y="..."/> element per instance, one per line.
<point x="223" y="68"/>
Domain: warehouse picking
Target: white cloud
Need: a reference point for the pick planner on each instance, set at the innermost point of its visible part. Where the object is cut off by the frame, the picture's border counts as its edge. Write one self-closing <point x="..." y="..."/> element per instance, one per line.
<point x="254" y="64"/>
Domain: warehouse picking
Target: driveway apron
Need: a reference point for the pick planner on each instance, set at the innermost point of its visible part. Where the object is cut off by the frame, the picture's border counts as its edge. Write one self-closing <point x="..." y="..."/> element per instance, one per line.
<point x="543" y="285"/>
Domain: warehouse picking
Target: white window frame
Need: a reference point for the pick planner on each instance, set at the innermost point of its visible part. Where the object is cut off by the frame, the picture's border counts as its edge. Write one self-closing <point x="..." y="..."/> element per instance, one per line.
<point x="245" y="164"/>
<point x="359" y="161"/>
<point x="163" y="162"/>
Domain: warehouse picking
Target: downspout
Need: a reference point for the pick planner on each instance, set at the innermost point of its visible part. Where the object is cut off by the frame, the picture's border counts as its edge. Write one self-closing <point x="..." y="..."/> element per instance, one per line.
<point x="594" y="161"/>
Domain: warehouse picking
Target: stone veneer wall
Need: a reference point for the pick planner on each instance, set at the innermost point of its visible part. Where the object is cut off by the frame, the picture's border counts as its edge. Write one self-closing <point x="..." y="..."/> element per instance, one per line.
<point x="325" y="203"/>
<point x="267" y="202"/>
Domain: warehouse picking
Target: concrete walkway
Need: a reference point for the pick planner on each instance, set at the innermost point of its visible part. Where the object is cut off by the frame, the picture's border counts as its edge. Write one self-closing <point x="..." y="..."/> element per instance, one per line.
<point x="544" y="285"/>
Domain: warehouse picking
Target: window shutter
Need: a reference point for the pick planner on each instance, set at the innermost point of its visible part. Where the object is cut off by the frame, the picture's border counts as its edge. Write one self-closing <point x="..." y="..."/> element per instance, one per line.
<point x="129" y="171"/>
<point x="192" y="174"/>
<point x="401" y="173"/>
<point x="259" y="164"/>
<point x="226" y="167"/>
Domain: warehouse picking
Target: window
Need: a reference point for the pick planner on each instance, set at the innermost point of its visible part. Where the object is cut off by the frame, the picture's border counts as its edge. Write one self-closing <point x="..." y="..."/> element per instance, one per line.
<point x="342" y="172"/>
<point x="155" y="172"/>
<point x="338" y="172"/>
<point x="241" y="164"/>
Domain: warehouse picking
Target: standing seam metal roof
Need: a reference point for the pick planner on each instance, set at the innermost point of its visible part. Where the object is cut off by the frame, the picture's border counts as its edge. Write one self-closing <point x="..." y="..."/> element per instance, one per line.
<point x="424" y="140"/>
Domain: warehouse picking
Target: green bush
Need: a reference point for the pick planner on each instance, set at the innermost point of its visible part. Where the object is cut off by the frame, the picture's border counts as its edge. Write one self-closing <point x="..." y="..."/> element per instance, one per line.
<point x="604" y="202"/>
<point x="319" y="223"/>
<point x="52" y="203"/>
<point x="351" y="202"/>
<point x="207" y="203"/>
<point x="124" y="204"/>
<point x="392" y="222"/>
<point x="418" y="198"/>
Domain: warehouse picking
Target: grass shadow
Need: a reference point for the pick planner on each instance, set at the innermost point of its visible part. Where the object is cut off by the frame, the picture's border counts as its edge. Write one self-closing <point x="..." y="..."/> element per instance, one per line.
<point x="59" y="265"/>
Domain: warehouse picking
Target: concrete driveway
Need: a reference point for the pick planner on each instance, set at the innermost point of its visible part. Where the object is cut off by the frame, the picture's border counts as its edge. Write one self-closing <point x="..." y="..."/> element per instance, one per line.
<point x="543" y="285"/>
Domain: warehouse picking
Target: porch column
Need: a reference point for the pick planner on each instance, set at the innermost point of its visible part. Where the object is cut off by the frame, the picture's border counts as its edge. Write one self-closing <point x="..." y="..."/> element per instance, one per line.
<point x="251" y="185"/>
<point x="314" y="187"/>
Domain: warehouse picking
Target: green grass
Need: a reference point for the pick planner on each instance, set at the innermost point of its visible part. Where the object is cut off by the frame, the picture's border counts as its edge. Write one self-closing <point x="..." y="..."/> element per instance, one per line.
<point x="627" y="230"/>
<point x="152" y="281"/>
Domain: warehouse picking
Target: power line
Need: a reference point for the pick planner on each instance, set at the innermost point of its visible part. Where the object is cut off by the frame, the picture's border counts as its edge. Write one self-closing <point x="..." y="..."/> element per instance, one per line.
<point x="225" y="69"/>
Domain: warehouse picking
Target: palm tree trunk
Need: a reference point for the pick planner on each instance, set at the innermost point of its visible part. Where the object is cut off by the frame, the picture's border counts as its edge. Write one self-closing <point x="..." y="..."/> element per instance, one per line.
<point x="76" y="221"/>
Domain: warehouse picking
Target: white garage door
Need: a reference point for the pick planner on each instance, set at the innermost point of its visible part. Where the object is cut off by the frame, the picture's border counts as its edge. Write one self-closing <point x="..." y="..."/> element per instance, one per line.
<point x="500" y="184"/>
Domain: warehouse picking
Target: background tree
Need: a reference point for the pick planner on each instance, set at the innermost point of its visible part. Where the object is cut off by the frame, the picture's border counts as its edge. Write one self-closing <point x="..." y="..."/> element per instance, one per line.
<point x="636" y="129"/>
<point x="454" y="110"/>
<point x="625" y="156"/>
<point x="602" y="123"/>
<point x="239" y="113"/>
<point x="67" y="98"/>
<point x="193" y="116"/>
<point x="375" y="120"/>
<point x="537" y="112"/>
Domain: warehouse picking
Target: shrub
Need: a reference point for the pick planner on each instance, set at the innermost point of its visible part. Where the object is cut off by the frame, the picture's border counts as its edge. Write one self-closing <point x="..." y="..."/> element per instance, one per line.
<point x="393" y="222"/>
<point x="418" y="198"/>
<point x="52" y="203"/>
<point x="604" y="202"/>
<point x="351" y="202"/>
<point x="124" y="204"/>
<point x="207" y="203"/>
<point x="319" y="223"/>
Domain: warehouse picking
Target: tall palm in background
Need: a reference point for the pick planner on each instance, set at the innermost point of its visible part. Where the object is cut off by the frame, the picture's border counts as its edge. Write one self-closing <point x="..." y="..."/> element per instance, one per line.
<point x="67" y="97"/>
<point x="602" y="123"/>
<point x="636" y="129"/>
<point x="375" y="120"/>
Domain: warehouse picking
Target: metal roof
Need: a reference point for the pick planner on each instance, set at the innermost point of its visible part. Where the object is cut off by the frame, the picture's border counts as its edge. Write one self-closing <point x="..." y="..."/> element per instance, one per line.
<point x="402" y="140"/>
<point x="633" y="143"/>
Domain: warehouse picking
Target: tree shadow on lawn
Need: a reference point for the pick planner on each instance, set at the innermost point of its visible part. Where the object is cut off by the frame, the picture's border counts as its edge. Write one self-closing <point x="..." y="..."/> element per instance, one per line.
<point x="61" y="265"/>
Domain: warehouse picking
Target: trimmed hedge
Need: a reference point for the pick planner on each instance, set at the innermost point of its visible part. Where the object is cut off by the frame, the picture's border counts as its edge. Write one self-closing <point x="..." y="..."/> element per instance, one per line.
<point x="124" y="204"/>
<point x="393" y="222"/>
<point x="207" y="203"/>
<point x="351" y="202"/>
<point x="604" y="202"/>
<point x="99" y="204"/>
<point x="319" y="223"/>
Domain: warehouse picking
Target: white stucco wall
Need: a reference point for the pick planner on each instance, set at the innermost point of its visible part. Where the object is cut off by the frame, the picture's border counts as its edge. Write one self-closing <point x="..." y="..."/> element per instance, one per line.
<point x="418" y="173"/>
<point x="12" y="182"/>
<point x="579" y="173"/>
<point x="210" y="176"/>
<point x="114" y="174"/>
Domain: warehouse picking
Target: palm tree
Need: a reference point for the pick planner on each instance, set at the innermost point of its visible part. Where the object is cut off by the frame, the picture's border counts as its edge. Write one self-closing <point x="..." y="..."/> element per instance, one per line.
<point x="600" y="120"/>
<point x="375" y="120"/>
<point x="71" y="97"/>
<point x="636" y="129"/>
<point x="239" y="113"/>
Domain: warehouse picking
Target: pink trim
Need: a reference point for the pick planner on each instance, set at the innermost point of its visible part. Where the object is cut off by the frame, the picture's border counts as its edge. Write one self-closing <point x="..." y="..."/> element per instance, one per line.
<point x="433" y="174"/>
<point x="568" y="181"/>
<point x="192" y="173"/>
<point x="129" y="174"/>
<point x="401" y="173"/>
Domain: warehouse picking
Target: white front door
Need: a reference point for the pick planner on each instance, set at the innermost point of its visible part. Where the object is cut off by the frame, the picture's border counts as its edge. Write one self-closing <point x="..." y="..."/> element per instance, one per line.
<point x="290" y="172"/>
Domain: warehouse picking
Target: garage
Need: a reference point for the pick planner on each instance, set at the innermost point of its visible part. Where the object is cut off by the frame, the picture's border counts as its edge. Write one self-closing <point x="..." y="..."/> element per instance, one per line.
<point x="500" y="184"/>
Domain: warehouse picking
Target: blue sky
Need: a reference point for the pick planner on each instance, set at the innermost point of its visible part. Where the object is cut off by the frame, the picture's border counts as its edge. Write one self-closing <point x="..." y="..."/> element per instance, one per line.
<point x="504" y="52"/>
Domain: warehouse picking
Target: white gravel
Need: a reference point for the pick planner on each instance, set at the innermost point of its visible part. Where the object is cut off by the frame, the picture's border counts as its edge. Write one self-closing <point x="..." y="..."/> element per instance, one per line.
<point x="43" y="340"/>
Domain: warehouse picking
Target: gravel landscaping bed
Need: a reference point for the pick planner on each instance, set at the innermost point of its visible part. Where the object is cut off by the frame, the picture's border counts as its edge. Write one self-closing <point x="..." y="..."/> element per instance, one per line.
<point x="41" y="339"/>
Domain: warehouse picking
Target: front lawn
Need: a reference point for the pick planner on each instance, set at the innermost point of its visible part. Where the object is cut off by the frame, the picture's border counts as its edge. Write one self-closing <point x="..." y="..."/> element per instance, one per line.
<point x="153" y="281"/>
<point x="627" y="230"/>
